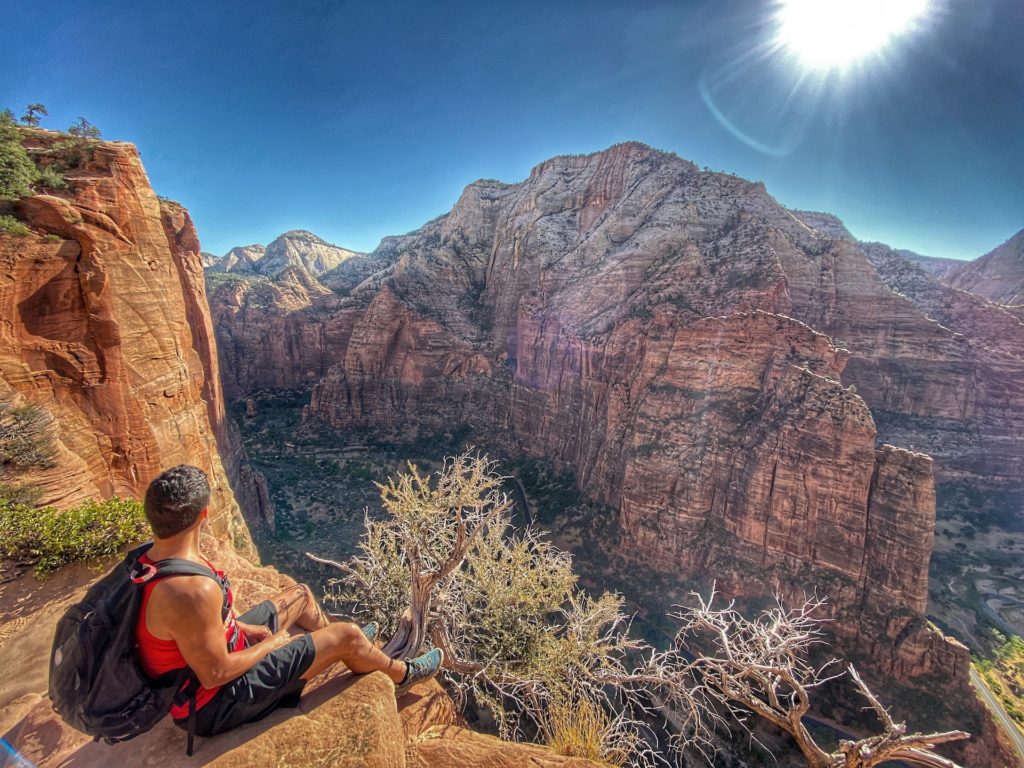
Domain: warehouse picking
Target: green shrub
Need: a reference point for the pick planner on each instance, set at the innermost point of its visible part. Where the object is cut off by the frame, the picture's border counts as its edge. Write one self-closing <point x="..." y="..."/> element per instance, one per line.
<point x="17" y="171"/>
<point x="18" y="494"/>
<point x="52" y="238"/>
<point x="50" y="178"/>
<point x="12" y="226"/>
<point x="50" y="538"/>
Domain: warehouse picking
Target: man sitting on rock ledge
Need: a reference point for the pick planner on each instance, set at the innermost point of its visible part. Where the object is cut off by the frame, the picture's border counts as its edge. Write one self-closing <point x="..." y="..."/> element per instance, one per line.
<point x="244" y="666"/>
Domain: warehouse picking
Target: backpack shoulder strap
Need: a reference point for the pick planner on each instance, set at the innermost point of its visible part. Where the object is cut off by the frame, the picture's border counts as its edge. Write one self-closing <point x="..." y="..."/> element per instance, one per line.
<point x="179" y="567"/>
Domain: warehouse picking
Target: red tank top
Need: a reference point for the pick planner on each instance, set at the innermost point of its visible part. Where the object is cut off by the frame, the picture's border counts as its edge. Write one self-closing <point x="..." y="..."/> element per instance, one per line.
<point x="158" y="656"/>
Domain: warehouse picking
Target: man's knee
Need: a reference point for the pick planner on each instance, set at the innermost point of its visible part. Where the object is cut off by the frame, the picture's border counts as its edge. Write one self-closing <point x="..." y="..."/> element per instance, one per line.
<point x="345" y="636"/>
<point x="307" y="593"/>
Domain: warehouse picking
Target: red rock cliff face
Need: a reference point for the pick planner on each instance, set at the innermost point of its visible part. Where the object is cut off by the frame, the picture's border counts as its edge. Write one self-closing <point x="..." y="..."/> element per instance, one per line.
<point x="106" y="329"/>
<point x="629" y="317"/>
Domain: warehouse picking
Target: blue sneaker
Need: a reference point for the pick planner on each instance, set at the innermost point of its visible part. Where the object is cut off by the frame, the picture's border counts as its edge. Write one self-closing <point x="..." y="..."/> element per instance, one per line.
<point x="371" y="630"/>
<point x="419" y="669"/>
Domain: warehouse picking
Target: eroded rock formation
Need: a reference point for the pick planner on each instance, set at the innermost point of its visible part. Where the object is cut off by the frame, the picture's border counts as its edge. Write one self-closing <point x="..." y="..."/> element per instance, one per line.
<point x="106" y="329"/>
<point x="297" y="249"/>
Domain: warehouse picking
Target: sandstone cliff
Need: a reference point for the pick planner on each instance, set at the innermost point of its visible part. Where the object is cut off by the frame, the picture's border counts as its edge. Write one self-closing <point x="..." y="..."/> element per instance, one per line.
<point x="684" y="345"/>
<point x="636" y="320"/>
<point x="998" y="275"/>
<point x="937" y="266"/>
<point x="238" y="259"/>
<point x="106" y="329"/>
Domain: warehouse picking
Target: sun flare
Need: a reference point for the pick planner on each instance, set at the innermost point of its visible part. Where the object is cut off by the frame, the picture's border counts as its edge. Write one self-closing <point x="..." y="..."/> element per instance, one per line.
<point x="833" y="34"/>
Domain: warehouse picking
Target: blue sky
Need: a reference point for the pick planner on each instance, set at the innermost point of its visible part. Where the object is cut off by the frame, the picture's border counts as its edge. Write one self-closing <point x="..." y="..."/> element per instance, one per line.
<point x="359" y="120"/>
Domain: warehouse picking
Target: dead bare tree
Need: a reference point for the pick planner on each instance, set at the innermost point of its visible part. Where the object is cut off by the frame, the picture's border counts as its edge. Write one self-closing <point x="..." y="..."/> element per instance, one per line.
<point x="761" y="666"/>
<point x="523" y="639"/>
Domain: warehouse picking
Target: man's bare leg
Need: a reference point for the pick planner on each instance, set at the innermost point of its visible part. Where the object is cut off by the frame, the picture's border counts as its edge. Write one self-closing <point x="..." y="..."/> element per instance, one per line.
<point x="296" y="606"/>
<point x="333" y="641"/>
<point x="345" y="642"/>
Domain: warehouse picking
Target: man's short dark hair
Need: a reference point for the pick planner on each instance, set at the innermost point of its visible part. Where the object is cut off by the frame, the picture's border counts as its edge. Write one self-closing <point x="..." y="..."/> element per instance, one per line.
<point x="175" y="499"/>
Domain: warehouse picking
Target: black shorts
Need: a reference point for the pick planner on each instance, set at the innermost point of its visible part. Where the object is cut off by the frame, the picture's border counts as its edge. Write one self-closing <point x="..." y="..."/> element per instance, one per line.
<point x="274" y="682"/>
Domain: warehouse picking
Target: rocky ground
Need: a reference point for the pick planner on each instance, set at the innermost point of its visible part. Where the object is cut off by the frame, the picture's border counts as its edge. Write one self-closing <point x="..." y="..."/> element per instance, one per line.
<point x="343" y="719"/>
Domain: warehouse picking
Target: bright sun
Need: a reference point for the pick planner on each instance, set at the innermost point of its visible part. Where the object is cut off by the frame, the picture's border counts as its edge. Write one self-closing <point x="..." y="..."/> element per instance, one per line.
<point x="832" y="34"/>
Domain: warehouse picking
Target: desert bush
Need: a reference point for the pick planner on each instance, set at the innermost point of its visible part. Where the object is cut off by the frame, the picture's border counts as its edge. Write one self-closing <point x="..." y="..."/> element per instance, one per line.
<point x="49" y="538"/>
<point x="24" y="438"/>
<point x="50" y="178"/>
<point x="523" y="640"/>
<point x="17" y="171"/>
<point x="18" y="494"/>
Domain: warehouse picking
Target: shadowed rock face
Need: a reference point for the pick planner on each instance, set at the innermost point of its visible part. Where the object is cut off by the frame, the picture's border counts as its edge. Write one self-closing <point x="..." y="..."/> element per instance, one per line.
<point x="685" y="345"/>
<point x="106" y="329"/>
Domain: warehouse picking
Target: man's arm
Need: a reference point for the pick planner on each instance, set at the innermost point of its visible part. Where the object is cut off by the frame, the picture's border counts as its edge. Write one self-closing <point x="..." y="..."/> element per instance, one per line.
<point x="192" y="606"/>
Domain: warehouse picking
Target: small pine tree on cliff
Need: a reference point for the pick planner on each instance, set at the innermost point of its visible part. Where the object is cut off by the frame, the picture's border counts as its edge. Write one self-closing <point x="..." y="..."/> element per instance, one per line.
<point x="83" y="129"/>
<point x="32" y="113"/>
<point x="545" y="658"/>
<point x="17" y="171"/>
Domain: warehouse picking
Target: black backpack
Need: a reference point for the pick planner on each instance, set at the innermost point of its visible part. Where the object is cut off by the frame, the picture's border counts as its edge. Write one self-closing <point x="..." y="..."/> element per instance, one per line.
<point x="96" y="684"/>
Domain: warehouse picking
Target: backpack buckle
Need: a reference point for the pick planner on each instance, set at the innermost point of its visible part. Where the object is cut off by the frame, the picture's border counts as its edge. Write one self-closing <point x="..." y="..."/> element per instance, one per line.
<point x="148" y="572"/>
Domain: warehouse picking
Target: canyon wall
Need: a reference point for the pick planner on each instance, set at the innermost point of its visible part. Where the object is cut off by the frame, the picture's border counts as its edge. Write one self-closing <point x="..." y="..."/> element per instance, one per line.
<point x="106" y="330"/>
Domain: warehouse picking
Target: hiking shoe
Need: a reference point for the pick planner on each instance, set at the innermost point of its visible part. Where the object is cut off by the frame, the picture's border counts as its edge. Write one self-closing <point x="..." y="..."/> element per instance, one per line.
<point x="371" y="630"/>
<point x="419" y="669"/>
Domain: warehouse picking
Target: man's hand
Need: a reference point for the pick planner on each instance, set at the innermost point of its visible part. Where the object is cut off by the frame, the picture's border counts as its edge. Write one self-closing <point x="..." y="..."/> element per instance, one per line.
<point x="254" y="633"/>
<point x="191" y="612"/>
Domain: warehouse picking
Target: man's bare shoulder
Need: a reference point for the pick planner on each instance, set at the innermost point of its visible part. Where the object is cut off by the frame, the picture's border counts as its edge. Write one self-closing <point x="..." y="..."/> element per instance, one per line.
<point x="186" y="593"/>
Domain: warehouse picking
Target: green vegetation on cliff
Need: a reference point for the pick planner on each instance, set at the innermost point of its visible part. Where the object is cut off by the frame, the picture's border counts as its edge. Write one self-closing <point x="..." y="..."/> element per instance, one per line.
<point x="45" y="536"/>
<point x="49" y="538"/>
<point x="17" y="171"/>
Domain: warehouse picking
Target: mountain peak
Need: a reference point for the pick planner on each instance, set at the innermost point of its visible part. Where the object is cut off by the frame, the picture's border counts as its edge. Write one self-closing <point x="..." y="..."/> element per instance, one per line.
<point x="297" y="248"/>
<point x="301" y="234"/>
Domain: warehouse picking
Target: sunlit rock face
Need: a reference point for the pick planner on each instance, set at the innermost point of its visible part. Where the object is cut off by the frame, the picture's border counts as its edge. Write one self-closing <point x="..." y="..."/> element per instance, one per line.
<point x="998" y="275"/>
<point x="636" y="320"/>
<point x="295" y="249"/>
<point x="106" y="329"/>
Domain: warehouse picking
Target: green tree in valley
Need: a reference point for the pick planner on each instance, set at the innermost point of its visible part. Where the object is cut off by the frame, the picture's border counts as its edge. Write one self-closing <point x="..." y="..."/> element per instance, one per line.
<point x="32" y="114"/>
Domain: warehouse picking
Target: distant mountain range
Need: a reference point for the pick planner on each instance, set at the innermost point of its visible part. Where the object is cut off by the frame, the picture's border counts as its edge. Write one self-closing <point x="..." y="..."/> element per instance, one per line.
<point x="297" y="248"/>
